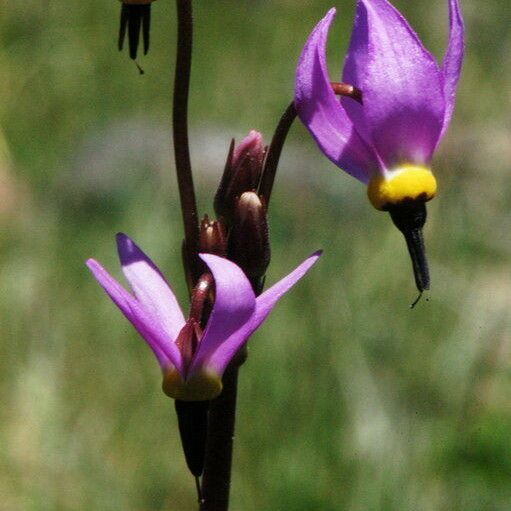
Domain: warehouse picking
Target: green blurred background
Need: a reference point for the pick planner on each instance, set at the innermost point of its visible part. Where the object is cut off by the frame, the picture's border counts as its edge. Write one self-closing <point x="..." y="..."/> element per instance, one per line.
<point x="349" y="399"/>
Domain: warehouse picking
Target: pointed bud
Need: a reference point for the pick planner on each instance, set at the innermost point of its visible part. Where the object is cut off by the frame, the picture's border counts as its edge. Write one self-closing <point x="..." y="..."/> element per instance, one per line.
<point x="249" y="245"/>
<point x="212" y="237"/>
<point x="242" y="173"/>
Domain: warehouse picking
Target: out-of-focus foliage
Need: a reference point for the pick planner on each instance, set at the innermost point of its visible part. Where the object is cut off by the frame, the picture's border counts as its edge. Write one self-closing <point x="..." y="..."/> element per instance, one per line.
<point x="349" y="400"/>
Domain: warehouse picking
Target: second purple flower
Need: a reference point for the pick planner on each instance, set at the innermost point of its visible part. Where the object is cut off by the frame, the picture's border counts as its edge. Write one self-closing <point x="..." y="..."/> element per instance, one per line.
<point x="386" y="141"/>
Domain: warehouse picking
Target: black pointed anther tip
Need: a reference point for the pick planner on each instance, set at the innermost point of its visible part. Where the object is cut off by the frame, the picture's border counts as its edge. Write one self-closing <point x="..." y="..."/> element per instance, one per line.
<point x="135" y="19"/>
<point x="192" y="418"/>
<point x="123" y="26"/>
<point x="409" y="217"/>
<point x="146" y="28"/>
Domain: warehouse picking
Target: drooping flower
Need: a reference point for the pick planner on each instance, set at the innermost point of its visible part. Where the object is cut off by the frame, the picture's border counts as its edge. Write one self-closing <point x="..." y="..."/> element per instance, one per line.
<point x="386" y="141"/>
<point x="135" y="18"/>
<point x="192" y="360"/>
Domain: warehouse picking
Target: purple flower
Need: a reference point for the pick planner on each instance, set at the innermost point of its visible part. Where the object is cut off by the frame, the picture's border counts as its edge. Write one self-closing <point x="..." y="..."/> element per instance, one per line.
<point x="388" y="139"/>
<point x="408" y="99"/>
<point x="192" y="361"/>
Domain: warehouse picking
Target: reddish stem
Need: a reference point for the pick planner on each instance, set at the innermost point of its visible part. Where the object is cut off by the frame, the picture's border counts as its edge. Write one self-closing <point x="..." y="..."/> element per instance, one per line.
<point x="180" y="129"/>
<point x="281" y="132"/>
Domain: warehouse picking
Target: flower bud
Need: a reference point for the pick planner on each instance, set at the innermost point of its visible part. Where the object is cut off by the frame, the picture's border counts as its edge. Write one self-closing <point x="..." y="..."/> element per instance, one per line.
<point x="242" y="173"/>
<point x="249" y="245"/>
<point x="212" y="237"/>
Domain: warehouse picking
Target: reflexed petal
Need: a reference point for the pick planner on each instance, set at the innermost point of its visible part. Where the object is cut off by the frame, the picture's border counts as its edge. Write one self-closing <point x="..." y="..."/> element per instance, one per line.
<point x="321" y="112"/>
<point x="165" y="351"/>
<point x="150" y="287"/>
<point x="401" y="84"/>
<point x="451" y="66"/>
<point x="264" y="304"/>
<point x="234" y="305"/>
<point x="267" y="300"/>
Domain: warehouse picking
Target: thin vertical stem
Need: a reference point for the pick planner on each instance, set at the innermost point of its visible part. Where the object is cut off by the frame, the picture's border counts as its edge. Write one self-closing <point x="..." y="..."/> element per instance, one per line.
<point x="180" y="130"/>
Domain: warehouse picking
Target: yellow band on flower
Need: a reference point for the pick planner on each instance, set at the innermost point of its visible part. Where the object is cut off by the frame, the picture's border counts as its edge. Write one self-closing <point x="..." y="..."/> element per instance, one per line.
<point x="202" y="386"/>
<point x="410" y="182"/>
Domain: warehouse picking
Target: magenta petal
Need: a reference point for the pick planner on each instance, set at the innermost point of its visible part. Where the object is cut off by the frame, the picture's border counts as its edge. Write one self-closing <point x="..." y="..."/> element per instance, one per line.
<point x="266" y="301"/>
<point x="234" y="305"/>
<point x="146" y="325"/>
<point x="150" y="287"/>
<point x="401" y="84"/>
<point x="321" y="112"/>
<point x="451" y="66"/>
<point x="264" y="304"/>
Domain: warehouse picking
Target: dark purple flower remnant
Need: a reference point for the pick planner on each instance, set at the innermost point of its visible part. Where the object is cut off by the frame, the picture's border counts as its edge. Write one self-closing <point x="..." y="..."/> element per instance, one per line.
<point x="135" y="18"/>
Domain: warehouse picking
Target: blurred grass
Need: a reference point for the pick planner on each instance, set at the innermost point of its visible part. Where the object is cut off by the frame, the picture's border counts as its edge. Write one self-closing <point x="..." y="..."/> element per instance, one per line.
<point x="349" y="400"/>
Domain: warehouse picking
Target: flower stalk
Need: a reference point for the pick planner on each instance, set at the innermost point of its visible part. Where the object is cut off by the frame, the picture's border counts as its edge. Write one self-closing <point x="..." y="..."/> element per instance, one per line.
<point x="274" y="152"/>
<point x="281" y="133"/>
<point x="181" y="142"/>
